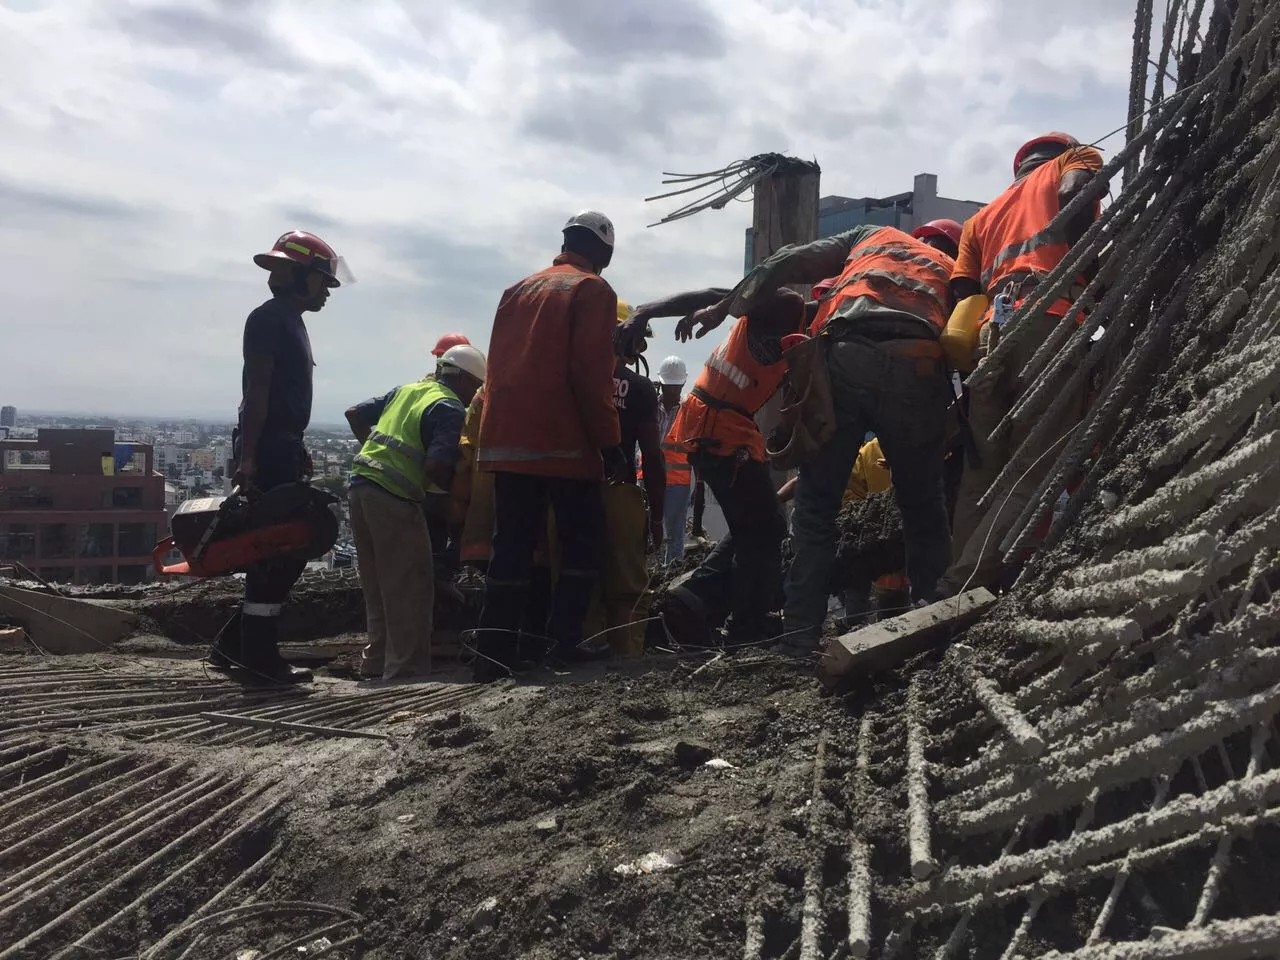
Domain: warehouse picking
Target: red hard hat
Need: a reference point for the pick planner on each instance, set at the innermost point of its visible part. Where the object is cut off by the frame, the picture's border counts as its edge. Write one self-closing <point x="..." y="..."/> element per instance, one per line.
<point x="298" y="246"/>
<point x="450" y="340"/>
<point x="1055" y="136"/>
<point x="822" y="288"/>
<point x="939" y="228"/>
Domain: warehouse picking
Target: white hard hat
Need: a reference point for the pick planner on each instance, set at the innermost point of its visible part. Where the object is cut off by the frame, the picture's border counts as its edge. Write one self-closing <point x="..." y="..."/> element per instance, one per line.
<point x="673" y="372"/>
<point x="466" y="358"/>
<point x="594" y="221"/>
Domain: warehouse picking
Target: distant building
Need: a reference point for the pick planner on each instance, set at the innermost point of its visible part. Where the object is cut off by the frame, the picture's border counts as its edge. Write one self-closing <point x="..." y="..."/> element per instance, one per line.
<point x="77" y="507"/>
<point x="906" y="211"/>
<point x="8" y="416"/>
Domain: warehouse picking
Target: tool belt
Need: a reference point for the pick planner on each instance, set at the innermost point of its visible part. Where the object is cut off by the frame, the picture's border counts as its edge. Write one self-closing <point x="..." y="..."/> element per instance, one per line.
<point x="715" y="403"/>
<point x="808" y="416"/>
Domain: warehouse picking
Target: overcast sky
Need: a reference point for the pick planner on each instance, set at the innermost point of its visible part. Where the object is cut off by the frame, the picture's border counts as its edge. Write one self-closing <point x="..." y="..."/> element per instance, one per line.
<point x="150" y="148"/>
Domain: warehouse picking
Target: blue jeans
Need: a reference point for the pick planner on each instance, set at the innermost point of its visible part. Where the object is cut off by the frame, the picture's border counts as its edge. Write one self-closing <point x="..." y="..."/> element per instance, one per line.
<point x="675" y="509"/>
<point x="904" y="400"/>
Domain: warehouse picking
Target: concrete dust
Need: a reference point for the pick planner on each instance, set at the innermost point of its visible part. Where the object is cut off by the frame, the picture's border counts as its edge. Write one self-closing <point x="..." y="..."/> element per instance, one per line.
<point x="481" y="787"/>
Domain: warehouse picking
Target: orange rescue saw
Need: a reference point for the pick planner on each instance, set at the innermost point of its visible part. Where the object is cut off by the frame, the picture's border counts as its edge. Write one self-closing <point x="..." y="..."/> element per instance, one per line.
<point x="223" y="535"/>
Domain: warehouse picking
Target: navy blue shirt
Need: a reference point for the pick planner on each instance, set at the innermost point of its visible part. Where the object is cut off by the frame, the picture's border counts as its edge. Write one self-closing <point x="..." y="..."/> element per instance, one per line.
<point x="276" y="330"/>
<point x="636" y="400"/>
<point x="440" y="427"/>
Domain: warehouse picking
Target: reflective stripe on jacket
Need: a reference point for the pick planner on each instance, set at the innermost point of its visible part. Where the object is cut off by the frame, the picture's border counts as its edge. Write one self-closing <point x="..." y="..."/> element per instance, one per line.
<point x="730" y="390"/>
<point x="393" y="456"/>
<point x="896" y="271"/>
<point x="1013" y="233"/>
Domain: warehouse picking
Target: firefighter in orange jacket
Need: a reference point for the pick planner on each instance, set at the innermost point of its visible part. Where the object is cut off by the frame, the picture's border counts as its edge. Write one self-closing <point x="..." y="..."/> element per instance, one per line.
<point x="882" y="318"/>
<point x="1007" y="248"/>
<point x="547" y="427"/>
<point x="716" y="425"/>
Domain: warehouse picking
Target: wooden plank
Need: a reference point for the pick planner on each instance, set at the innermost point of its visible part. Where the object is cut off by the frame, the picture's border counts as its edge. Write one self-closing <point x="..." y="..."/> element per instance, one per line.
<point x="65" y="625"/>
<point x="881" y="646"/>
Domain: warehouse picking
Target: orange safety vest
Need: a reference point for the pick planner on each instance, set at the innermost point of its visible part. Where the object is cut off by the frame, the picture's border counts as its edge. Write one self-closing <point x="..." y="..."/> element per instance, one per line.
<point x="674" y="455"/>
<point x="679" y="473"/>
<point x="897" y="271"/>
<point x="1012" y="231"/>
<point x="718" y="414"/>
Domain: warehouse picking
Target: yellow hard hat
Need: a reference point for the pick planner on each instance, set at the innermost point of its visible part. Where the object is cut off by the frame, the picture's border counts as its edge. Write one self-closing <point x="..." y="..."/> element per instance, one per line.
<point x="624" y="310"/>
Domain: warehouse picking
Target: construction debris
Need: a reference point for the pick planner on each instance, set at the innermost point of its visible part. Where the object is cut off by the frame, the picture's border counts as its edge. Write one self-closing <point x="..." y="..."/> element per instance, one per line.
<point x="884" y="645"/>
<point x="59" y="624"/>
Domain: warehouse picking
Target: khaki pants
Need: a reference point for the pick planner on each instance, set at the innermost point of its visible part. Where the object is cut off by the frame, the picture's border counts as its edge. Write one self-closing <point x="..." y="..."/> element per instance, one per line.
<point x="976" y="534"/>
<point x="393" y="549"/>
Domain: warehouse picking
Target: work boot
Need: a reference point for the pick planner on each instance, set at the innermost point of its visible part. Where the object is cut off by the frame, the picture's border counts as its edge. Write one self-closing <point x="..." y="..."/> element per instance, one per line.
<point x="261" y="660"/>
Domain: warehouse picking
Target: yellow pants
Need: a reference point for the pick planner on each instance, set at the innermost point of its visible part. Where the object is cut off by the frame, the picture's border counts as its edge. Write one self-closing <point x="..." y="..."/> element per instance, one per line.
<point x="622" y="598"/>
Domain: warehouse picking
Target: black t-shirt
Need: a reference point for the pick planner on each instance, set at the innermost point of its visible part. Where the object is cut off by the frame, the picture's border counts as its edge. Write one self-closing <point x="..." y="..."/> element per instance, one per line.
<point x="276" y="329"/>
<point x="636" y="400"/>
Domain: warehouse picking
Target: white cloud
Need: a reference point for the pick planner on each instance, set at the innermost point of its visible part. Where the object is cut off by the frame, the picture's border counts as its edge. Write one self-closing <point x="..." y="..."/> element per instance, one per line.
<point x="152" y="147"/>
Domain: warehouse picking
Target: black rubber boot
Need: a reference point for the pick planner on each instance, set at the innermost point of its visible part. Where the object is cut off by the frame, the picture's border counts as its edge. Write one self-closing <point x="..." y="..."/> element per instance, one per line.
<point x="261" y="661"/>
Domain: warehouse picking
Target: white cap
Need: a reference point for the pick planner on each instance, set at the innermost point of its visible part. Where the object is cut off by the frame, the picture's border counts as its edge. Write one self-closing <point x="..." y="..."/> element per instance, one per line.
<point x="673" y="372"/>
<point x="464" y="357"/>
<point x="594" y="221"/>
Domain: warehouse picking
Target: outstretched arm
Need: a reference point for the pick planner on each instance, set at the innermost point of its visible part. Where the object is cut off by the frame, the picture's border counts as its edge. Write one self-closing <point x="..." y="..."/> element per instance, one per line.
<point x="806" y="263"/>
<point x="630" y="335"/>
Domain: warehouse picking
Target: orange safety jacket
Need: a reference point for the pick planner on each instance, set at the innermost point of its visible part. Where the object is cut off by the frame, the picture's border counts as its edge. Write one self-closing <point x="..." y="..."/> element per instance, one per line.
<point x="897" y="271"/>
<point x="548" y="407"/>
<point x="1013" y="234"/>
<point x="718" y="415"/>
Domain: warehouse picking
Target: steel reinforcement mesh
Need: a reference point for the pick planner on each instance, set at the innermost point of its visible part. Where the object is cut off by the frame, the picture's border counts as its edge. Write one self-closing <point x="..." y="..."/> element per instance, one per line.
<point x="1094" y="769"/>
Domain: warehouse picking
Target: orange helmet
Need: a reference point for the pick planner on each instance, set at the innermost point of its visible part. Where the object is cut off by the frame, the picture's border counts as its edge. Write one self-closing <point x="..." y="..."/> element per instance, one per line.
<point x="308" y="250"/>
<point x="939" y="228"/>
<point x="1055" y="136"/>
<point x="450" y="340"/>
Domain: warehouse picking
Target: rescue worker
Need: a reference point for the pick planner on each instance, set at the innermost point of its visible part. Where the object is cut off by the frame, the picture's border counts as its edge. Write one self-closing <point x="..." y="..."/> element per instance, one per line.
<point x="672" y="376"/>
<point x="548" y="430"/>
<point x="1007" y="248"/>
<point x="716" y="425"/>
<point x="275" y="410"/>
<point x="624" y="577"/>
<point x="882" y="319"/>
<point x="942" y="235"/>
<point x="435" y="506"/>
<point x="409" y="446"/>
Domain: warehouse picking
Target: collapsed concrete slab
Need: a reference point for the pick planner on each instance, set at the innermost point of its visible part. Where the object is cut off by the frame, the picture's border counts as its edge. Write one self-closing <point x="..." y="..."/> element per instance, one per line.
<point x="59" y="624"/>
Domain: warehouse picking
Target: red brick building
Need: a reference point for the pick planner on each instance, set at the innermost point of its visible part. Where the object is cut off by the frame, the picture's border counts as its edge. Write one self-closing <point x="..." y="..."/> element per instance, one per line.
<point x="77" y="507"/>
